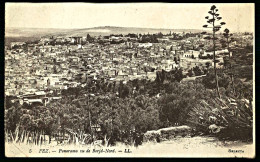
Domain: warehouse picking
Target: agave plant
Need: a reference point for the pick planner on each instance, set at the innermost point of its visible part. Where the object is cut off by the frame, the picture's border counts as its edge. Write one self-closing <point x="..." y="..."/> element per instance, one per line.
<point x="226" y="118"/>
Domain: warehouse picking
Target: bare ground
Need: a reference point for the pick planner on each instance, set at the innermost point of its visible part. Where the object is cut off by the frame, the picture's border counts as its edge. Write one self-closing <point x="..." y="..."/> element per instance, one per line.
<point x="178" y="147"/>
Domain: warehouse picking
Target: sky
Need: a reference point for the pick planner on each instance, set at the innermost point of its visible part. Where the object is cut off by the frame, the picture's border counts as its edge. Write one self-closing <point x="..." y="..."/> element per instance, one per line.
<point x="238" y="17"/>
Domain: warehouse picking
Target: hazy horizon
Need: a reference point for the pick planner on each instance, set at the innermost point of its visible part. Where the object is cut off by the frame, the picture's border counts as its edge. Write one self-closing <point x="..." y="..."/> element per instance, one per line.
<point x="101" y="27"/>
<point x="238" y="17"/>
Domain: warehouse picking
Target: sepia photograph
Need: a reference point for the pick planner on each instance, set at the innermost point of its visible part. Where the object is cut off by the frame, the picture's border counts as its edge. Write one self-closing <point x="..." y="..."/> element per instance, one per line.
<point x="129" y="80"/>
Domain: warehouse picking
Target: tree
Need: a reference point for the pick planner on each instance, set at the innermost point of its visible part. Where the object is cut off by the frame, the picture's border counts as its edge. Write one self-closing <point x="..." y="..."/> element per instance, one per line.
<point x="12" y="117"/>
<point x="228" y="35"/>
<point x="179" y="99"/>
<point x="197" y="71"/>
<point x="190" y="73"/>
<point x="212" y="22"/>
<point x="89" y="38"/>
<point x="207" y="64"/>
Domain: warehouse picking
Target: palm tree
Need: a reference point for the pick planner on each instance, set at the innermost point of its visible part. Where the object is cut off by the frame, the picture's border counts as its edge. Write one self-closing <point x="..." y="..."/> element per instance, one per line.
<point x="212" y="21"/>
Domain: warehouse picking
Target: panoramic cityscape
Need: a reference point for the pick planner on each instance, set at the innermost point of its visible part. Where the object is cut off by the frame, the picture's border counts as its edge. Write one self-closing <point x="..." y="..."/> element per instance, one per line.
<point x="130" y="86"/>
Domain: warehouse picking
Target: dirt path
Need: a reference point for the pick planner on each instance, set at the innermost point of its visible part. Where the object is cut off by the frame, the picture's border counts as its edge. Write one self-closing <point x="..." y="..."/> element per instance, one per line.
<point x="178" y="147"/>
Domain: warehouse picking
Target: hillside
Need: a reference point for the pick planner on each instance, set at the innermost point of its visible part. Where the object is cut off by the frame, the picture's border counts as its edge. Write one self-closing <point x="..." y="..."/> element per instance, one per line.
<point x="105" y="30"/>
<point x="33" y="32"/>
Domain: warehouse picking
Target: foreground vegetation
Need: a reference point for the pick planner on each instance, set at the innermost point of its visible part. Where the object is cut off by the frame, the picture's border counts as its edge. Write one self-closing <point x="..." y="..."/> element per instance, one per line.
<point x="125" y="112"/>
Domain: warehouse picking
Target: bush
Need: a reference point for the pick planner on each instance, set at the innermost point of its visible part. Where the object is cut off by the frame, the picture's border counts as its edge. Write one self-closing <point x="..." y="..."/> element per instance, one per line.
<point x="179" y="100"/>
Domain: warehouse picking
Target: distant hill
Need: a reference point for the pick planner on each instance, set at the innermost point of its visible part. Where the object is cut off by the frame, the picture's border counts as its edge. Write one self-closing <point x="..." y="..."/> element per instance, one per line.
<point x="33" y="32"/>
<point x="8" y="40"/>
<point x="105" y="30"/>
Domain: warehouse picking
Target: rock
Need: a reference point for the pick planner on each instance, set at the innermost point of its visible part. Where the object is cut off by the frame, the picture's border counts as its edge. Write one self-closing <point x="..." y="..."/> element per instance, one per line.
<point x="167" y="133"/>
<point x="214" y="128"/>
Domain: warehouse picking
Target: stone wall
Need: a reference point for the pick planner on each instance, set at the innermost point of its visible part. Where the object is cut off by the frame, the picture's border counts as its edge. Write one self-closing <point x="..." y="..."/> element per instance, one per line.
<point x="167" y="133"/>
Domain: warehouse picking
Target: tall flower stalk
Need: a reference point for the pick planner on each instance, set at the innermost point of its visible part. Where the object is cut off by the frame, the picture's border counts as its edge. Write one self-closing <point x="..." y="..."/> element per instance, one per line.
<point x="228" y="36"/>
<point x="212" y="21"/>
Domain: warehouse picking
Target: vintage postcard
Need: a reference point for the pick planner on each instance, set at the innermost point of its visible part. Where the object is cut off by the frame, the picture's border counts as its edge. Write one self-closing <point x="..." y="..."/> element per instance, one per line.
<point x="129" y="80"/>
